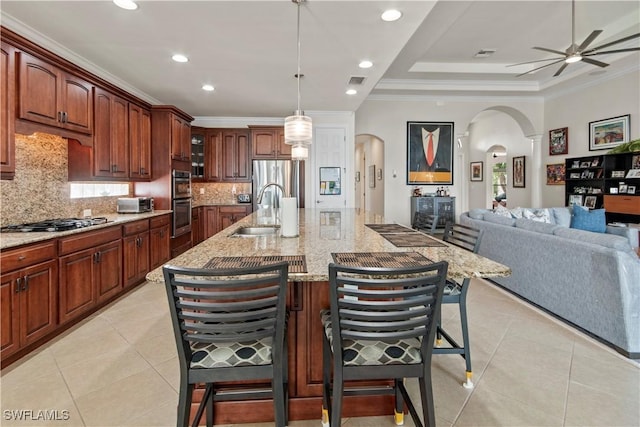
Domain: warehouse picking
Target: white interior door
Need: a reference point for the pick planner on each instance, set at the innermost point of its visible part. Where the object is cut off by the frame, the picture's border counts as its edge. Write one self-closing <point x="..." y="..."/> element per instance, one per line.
<point x="329" y="179"/>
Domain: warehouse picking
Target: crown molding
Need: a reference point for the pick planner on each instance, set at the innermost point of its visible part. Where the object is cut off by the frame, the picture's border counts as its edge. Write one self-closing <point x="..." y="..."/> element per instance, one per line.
<point x="45" y="42"/>
<point x="456" y="98"/>
<point x="457" y="85"/>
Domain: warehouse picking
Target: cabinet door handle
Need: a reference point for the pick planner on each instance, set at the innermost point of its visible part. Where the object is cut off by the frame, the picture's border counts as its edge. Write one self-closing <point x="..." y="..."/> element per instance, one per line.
<point x="142" y="172"/>
<point x="25" y="283"/>
<point x="18" y="284"/>
<point x="296" y="304"/>
<point x="60" y="116"/>
<point x="162" y="233"/>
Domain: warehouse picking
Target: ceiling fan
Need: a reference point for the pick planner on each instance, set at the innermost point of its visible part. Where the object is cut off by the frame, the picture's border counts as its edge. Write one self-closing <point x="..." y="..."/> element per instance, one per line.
<point x="577" y="53"/>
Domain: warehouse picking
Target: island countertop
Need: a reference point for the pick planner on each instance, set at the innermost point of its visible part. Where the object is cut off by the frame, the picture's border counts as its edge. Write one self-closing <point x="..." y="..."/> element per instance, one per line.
<point x="321" y="233"/>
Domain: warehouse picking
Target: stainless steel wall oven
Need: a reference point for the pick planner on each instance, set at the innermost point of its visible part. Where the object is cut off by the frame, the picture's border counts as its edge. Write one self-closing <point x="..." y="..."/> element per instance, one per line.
<point x="181" y="202"/>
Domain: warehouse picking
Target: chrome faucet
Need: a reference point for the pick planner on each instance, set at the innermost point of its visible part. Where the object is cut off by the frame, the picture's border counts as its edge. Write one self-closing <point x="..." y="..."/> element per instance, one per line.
<point x="261" y="193"/>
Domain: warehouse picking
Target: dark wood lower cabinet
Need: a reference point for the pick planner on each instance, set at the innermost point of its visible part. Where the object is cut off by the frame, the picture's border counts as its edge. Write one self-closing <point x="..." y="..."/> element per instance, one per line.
<point x="89" y="277"/>
<point x="306" y="299"/>
<point x="29" y="305"/>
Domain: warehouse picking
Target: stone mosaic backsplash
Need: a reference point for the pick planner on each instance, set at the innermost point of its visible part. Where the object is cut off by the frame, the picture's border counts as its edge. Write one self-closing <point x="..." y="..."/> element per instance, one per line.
<point x="40" y="189"/>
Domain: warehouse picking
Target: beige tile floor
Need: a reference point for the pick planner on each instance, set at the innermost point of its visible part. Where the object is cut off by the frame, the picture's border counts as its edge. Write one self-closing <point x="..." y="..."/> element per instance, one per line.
<point x="119" y="368"/>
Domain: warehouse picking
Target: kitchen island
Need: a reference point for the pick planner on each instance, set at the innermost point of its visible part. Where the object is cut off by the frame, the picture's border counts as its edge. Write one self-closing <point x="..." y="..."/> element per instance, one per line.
<point x="321" y="233"/>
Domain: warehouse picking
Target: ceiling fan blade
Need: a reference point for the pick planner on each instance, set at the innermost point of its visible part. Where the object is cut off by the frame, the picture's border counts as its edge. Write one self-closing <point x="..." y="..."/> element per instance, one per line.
<point x="536" y="69"/>
<point x="628" y="49"/>
<point x="624" y="39"/>
<point x="532" y="62"/>
<point x="550" y="50"/>
<point x="594" y="62"/>
<point x="560" y="70"/>
<point x="589" y="39"/>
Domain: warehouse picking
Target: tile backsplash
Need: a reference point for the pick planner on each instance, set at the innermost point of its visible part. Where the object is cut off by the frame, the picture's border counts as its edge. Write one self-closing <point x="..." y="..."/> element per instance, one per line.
<point x="40" y="189"/>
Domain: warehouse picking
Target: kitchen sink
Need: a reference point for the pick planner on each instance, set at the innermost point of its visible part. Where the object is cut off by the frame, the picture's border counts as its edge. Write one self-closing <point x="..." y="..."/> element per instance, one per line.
<point x="254" y="231"/>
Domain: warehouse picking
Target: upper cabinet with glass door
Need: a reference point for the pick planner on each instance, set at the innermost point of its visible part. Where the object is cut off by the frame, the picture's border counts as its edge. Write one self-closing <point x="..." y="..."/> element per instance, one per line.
<point x="197" y="154"/>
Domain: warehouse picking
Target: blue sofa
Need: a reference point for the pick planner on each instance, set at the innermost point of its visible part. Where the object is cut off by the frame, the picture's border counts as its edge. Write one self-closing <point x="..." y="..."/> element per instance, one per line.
<point x="589" y="279"/>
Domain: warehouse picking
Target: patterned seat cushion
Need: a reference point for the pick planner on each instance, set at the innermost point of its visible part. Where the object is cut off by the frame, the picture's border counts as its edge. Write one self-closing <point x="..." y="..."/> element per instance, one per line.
<point x="452" y="288"/>
<point x="369" y="352"/>
<point x="224" y="355"/>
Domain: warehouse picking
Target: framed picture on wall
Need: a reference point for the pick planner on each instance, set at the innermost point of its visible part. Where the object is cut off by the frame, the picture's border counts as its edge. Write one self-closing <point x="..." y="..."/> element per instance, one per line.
<point x="555" y="174"/>
<point x="608" y="133"/>
<point x="519" y="172"/>
<point x="559" y="141"/>
<point x="476" y="171"/>
<point x="429" y="153"/>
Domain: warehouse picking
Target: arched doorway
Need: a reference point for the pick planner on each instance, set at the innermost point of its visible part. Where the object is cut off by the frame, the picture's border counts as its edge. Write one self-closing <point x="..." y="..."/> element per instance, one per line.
<point x="513" y="132"/>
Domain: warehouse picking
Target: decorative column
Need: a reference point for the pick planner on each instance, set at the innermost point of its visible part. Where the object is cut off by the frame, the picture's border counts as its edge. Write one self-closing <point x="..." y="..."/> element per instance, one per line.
<point x="537" y="170"/>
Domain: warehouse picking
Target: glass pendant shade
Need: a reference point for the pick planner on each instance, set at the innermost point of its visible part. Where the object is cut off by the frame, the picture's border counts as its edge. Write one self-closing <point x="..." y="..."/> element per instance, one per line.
<point x="298" y="129"/>
<point x="299" y="152"/>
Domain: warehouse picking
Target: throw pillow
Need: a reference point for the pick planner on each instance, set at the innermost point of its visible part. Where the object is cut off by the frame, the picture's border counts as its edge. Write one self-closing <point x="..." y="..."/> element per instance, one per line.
<point x="517" y="212"/>
<point x="502" y="211"/>
<point x="593" y="220"/>
<point x="562" y="216"/>
<point x="540" y="215"/>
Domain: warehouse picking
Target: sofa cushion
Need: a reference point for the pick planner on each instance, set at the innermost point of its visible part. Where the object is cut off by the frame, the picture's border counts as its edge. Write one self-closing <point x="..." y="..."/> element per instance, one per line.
<point x="477" y="213"/>
<point x="593" y="220"/>
<point x="540" y="215"/>
<point x="607" y="240"/>
<point x="562" y="216"/>
<point x="498" y="219"/>
<point x="537" y="226"/>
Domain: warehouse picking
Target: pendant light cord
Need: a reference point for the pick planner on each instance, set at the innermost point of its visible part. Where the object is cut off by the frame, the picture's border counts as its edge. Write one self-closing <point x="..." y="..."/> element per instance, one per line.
<point x="298" y="38"/>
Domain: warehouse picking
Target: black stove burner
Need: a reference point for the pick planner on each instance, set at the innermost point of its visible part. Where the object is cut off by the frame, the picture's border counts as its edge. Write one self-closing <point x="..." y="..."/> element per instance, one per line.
<point x="60" y="224"/>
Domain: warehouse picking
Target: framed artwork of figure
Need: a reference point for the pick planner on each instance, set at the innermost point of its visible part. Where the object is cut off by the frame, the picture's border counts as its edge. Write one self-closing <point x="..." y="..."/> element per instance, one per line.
<point x="429" y="153"/>
<point x="519" y="172"/>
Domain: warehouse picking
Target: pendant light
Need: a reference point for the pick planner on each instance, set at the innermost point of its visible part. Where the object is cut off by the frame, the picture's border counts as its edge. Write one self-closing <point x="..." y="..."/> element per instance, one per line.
<point x="298" y="131"/>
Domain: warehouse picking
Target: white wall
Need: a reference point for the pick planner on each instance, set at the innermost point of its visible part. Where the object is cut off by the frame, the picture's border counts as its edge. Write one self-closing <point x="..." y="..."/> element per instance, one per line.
<point x="610" y="98"/>
<point x="386" y="118"/>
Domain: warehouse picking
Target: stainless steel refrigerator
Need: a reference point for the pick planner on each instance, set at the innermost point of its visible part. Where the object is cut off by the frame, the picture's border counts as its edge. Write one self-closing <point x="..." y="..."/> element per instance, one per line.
<point x="287" y="173"/>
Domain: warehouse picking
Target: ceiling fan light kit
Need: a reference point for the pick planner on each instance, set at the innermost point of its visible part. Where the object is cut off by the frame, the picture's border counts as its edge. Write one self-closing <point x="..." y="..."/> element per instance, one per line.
<point x="298" y="130"/>
<point x="578" y="53"/>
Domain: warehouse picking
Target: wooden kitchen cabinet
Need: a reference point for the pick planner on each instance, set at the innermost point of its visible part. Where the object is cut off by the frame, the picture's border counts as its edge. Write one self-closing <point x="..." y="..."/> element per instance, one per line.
<point x="28" y="296"/>
<point x="210" y="221"/>
<point x="53" y="97"/>
<point x="180" y="139"/>
<point x="235" y="156"/>
<point x="197" y="226"/>
<point x="111" y="136"/>
<point x="90" y="271"/>
<point x="268" y="143"/>
<point x="139" y="143"/>
<point x="135" y="243"/>
<point x="229" y="215"/>
<point x="159" y="240"/>
<point x="7" y="111"/>
<point x="213" y="155"/>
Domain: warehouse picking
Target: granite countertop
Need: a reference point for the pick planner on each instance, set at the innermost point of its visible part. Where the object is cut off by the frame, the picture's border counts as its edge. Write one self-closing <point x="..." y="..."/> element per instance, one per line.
<point x="321" y="233"/>
<point x="10" y="240"/>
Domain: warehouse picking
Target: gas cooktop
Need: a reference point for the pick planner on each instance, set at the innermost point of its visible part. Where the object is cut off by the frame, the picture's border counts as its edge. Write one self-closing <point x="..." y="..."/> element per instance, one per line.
<point x="59" y="224"/>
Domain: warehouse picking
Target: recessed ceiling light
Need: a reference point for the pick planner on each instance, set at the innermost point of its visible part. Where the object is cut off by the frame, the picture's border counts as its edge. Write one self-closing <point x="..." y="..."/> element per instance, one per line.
<point x="208" y="88"/>
<point x="179" y="58"/>
<point x="351" y="92"/>
<point x="391" y="15"/>
<point x="365" y="64"/>
<point x="126" y="4"/>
